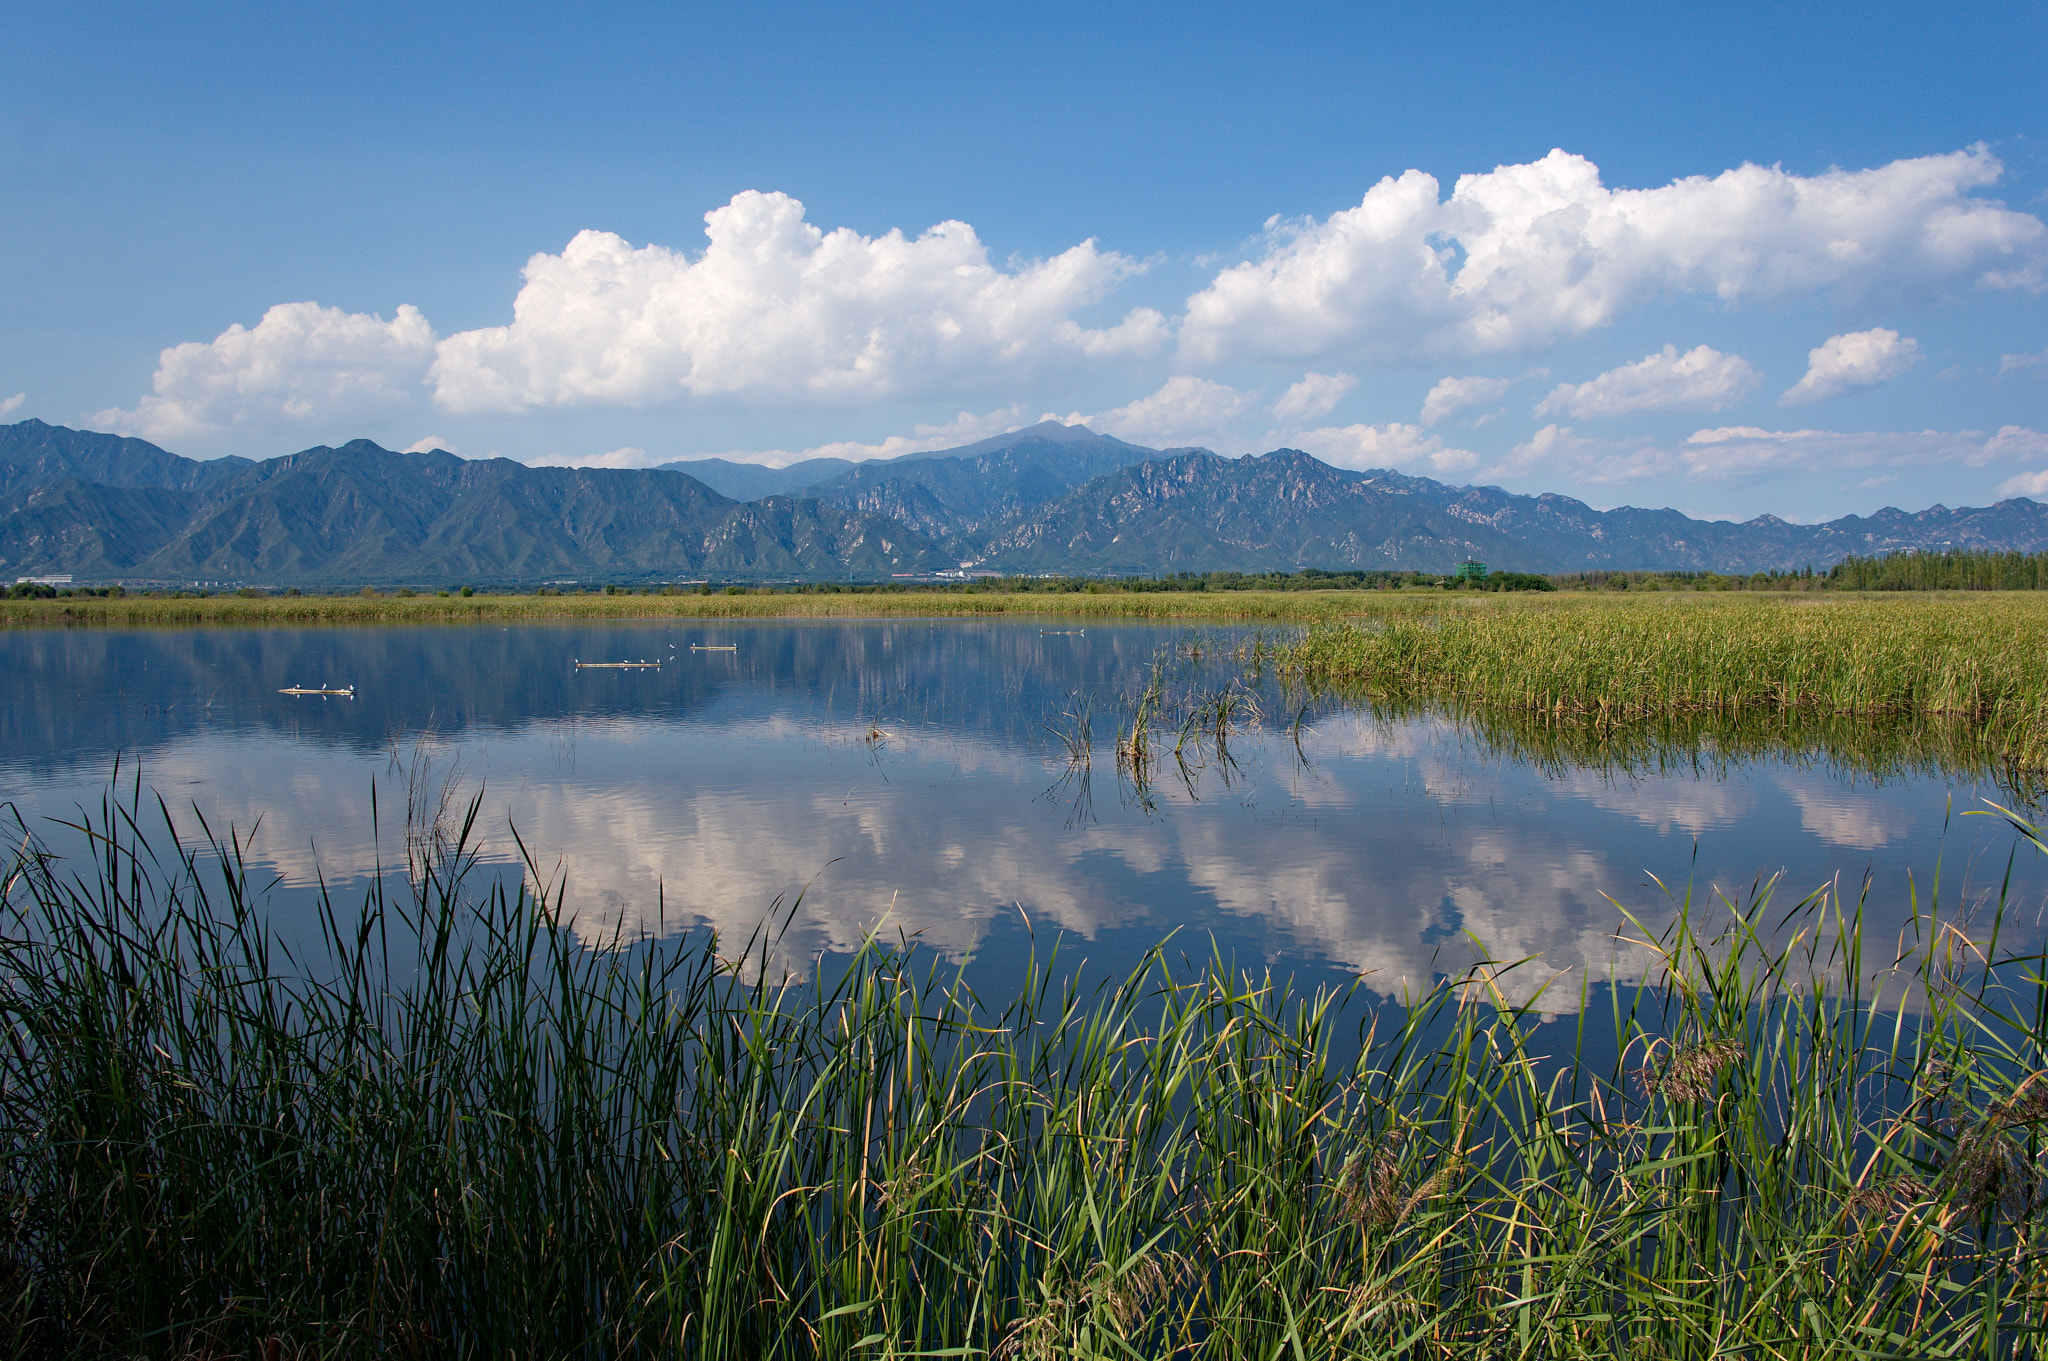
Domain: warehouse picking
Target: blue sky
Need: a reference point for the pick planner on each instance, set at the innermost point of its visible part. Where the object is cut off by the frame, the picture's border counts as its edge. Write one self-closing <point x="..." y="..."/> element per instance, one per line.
<point x="1784" y="258"/>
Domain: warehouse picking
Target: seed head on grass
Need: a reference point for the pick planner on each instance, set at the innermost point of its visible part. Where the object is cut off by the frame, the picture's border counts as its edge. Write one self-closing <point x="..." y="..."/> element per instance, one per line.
<point x="1372" y="1185"/>
<point x="1688" y="1075"/>
<point x="1890" y="1197"/>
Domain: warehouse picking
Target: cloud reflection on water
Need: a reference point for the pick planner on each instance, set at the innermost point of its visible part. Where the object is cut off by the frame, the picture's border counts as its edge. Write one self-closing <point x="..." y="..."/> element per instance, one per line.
<point x="1381" y="852"/>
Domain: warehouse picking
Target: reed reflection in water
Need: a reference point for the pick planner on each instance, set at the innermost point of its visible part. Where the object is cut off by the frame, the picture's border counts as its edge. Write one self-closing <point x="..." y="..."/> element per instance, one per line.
<point x="968" y="784"/>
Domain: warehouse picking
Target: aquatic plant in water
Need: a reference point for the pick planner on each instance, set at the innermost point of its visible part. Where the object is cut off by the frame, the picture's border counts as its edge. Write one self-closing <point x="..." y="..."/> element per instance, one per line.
<point x="1621" y="661"/>
<point x="454" y="1130"/>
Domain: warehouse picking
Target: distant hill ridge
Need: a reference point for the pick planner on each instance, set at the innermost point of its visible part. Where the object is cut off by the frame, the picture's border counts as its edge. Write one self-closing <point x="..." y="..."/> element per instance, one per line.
<point x="1036" y="455"/>
<point x="362" y="512"/>
<point x="1288" y="510"/>
<point x="32" y="453"/>
<point x="1048" y="498"/>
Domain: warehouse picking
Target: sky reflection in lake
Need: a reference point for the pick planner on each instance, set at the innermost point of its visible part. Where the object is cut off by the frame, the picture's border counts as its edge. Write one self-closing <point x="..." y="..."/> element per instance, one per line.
<point x="902" y="774"/>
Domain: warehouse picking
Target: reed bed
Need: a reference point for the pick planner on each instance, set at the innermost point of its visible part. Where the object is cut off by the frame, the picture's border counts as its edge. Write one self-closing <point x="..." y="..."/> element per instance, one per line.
<point x="453" y="1131"/>
<point x="1179" y="720"/>
<point x="1716" y="746"/>
<point x="1612" y="661"/>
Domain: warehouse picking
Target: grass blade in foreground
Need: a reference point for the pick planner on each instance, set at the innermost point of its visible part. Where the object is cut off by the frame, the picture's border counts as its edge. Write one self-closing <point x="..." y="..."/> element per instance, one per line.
<point x="488" y="1140"/>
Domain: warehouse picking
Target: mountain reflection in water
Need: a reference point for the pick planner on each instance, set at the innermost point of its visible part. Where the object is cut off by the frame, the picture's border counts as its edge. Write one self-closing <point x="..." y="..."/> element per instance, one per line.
<point x="906" y="775"/>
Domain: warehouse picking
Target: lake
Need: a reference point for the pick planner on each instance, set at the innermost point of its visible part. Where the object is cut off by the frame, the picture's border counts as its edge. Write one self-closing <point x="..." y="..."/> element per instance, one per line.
<point x="910" y="776"/>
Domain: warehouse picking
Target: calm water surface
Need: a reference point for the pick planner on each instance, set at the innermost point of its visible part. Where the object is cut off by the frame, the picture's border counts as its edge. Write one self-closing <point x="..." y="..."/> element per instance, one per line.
<point x="903" y="774"/>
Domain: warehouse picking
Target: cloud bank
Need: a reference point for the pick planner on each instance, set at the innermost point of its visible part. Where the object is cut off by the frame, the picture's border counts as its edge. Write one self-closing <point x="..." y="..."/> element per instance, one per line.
<point x="1525" y="256"/>
<point x="775" y="307"/>
<point x="1452" y="395"/>
<point x="1747" y="453"/>
<point x="965" y="428"/>
<point x="1701" y="379"/>
<point x="1184" y="410"/>
<point x="1859" y="359"/>
<point x="302" y="365"/>
<point x="774" y="313"/>
<point x="1313" y="397"/>
<point x="1386" y="446"/>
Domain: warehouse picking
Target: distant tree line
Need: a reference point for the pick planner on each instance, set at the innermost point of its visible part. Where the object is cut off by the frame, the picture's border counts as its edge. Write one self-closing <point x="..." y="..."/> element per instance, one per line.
<point x="1956" y="571"/>
<point x="1905" y="571"/>
<point x="1307" y="579"/>
<point x="1909" y="571"/>
<point x="1796" y="579"/>
<point x="42" y="590"/>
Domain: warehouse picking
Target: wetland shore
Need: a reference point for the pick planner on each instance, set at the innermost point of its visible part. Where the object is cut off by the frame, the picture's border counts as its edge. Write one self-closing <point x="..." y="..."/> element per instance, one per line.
<point x="1111" y="602"/>
<point x="1600" y="657"/>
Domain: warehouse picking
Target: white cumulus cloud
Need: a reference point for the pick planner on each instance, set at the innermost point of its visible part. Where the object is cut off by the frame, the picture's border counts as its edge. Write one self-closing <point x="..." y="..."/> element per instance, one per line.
<point x="1701" y="379"/>
<point x="1752" y="453"/>
<point x="301" y="365"/>
<point x="10" y="405"/>
<point x="2012" y="442"/>
<point x="1185" y="410"/>
<point x="965" y="428"/>
<point x="1526" y="255"/>
<point x="1393" y="445"/>
<point x="1560" y="451"/>
<point x="1748" y="451"/>
<point x="627" y="456"/>
<point x="1859" y="359"/>
<point x="428" y="445"/>
<point x="1313" y="397"/>
<point x="774" y="312"/>
<point x="775" y="306"/>
<point x="1452" y="395"/>
<point x="1738" y="451"/>
<point x="2026" y="484"/>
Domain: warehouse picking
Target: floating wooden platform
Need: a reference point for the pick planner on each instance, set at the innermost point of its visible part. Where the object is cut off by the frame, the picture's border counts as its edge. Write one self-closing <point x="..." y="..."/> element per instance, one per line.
<point x="346" y="690"/>
<point x="714" y="647"/>
<point x="617" y="666"/>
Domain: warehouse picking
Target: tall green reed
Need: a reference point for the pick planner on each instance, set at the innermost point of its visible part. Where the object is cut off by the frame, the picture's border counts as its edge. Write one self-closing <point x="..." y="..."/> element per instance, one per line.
<point x="1623" y="661"/>
<point x="448" y="1129"/>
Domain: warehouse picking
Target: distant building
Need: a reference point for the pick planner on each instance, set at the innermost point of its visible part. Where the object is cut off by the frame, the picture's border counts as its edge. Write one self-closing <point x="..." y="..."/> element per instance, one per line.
<point x="1471" y="569"/>
<point x="64" y="580"/>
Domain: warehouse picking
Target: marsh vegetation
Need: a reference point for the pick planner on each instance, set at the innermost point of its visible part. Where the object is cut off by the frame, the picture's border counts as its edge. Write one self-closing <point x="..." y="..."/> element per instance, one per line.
<point x="1615" y="661"/>
<point x="452" y="1129"/>
<point x="451" y="1125"/>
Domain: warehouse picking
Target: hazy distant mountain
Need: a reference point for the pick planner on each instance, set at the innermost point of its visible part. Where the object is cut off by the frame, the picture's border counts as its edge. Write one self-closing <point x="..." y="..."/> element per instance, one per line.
<point x="1285" y="509"/>
<point x="1570" y="535"/>
<point x="364" y="513"/>
<point x="87" y="529"/>
<point x="34" y="454"/>
<point x="953" y="490"/>
<point x="1052" y="498"/>
<point x="943" y="492"/>
<point x="1198" y="512"/>
<point x="752" y="481"/>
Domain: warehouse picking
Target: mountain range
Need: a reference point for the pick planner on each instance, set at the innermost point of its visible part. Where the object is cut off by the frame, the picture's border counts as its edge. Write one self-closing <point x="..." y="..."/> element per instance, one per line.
<point x="1048" y="499"/>
<point x="365" y="513"/>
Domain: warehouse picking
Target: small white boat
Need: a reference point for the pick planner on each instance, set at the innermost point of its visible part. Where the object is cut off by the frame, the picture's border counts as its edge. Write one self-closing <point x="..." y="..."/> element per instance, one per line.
<point x="347" y="691"/>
